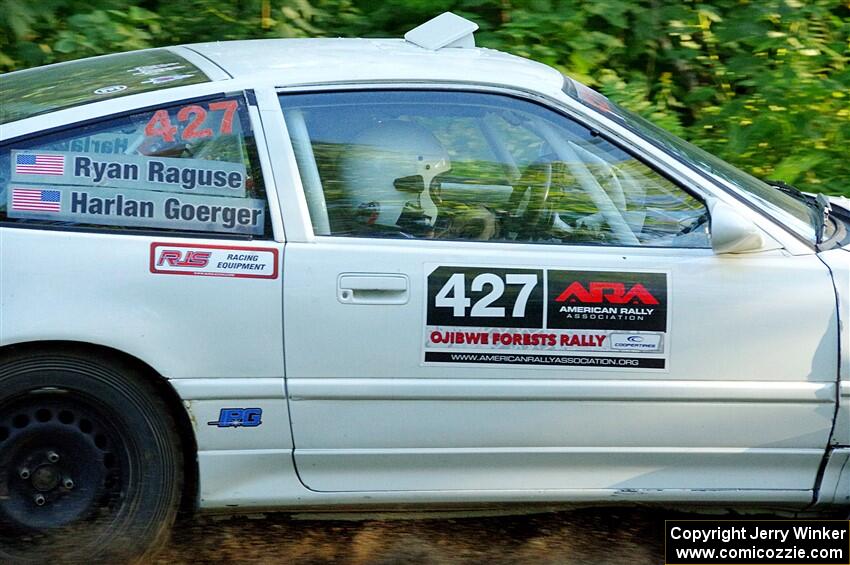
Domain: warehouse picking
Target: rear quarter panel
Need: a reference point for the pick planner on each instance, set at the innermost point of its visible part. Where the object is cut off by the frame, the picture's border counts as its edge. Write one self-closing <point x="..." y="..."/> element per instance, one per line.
<point x="98" y="288"/>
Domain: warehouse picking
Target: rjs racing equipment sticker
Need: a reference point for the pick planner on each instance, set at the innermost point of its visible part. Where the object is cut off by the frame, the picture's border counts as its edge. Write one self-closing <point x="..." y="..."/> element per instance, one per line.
<point x="546" y="317"/>
<point x="213" y="260"/>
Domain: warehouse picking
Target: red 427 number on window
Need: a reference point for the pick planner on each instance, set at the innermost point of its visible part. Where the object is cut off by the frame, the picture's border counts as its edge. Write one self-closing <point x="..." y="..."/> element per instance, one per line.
<point x="193" y="116"/>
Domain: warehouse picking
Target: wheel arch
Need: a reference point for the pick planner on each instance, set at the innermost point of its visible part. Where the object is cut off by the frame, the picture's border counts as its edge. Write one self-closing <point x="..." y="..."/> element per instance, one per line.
<point x="162" y="387"/>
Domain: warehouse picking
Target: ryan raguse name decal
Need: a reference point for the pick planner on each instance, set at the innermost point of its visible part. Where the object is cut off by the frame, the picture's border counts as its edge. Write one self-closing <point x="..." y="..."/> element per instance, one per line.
<point x="188" y="176"/>
<point x="546" y="317"/>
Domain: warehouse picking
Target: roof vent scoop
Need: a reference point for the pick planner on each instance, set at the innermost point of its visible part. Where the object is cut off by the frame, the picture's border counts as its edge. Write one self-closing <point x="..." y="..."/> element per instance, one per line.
<point x="446" y="30"/>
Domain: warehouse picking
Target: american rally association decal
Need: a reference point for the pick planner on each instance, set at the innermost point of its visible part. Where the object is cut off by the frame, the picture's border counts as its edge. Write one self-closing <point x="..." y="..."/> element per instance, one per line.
<point x="546" y="317"/>
<point x="213" y="261"/>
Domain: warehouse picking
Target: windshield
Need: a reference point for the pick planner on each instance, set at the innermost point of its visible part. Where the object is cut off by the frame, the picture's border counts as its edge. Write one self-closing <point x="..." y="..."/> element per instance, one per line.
<point x="793" y="212"/>
<point x="44" y="89"/>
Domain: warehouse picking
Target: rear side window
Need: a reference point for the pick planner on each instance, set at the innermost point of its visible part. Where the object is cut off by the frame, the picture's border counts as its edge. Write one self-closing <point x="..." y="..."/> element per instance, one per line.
<point x="190" y="167"/>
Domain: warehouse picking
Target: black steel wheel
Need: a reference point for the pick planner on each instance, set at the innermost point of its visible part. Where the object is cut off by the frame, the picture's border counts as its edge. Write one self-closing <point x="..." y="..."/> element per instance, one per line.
<point x="90" y="461"/>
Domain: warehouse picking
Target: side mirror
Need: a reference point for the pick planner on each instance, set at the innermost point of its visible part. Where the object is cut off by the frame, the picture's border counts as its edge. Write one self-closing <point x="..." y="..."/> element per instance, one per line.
<point x="731" y="232"/>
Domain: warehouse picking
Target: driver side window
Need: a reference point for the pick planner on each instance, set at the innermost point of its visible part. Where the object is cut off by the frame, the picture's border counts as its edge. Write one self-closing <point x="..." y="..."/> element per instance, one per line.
<point x="477" y="167"/>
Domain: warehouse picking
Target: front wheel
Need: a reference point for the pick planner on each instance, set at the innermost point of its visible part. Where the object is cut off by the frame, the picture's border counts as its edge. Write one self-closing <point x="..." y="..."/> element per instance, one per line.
<point x="90" y="461"/>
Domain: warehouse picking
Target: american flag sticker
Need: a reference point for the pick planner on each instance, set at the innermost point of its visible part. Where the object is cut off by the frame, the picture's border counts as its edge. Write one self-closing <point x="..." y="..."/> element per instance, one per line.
<point x="39" y="164"/>
<point x="36" y="200"/>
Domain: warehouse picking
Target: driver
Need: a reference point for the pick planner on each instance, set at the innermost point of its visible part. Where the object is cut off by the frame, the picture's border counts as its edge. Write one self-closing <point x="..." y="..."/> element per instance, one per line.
<point x="390" y="178"/>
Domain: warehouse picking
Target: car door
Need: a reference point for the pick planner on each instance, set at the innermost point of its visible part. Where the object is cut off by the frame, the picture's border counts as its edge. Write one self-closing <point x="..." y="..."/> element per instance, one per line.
<point x="499" y="298"/>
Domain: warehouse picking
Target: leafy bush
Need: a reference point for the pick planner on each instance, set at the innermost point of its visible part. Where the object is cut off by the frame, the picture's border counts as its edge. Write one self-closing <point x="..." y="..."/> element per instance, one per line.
<point x="764" y="84"/>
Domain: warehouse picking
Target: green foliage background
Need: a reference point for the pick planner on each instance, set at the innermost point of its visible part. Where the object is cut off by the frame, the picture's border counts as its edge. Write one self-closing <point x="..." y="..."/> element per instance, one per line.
<point x="763" y="83"/>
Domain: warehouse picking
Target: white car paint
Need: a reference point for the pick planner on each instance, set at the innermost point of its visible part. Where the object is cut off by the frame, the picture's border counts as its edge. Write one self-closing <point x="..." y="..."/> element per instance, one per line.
<point x="744" y="413"/>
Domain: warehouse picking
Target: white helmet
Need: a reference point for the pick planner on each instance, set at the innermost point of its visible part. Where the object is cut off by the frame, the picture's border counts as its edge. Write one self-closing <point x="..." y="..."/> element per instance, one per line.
<point x="388" y="176"/>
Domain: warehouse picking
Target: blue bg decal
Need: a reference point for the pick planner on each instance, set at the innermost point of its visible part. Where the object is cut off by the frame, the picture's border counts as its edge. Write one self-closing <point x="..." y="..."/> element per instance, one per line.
<point x="238" y="418"/>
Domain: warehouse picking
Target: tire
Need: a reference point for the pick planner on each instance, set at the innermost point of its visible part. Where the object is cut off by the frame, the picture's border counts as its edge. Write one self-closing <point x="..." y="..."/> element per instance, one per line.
<point x="90" y="460"/>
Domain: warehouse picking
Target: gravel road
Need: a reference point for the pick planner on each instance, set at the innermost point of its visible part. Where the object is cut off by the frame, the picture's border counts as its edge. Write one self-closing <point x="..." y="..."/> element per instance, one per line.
<point x="593" y="536"/>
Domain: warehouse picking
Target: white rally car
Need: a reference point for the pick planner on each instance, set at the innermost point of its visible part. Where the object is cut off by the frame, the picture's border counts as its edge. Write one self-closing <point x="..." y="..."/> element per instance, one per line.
<point x="370" y="273"/>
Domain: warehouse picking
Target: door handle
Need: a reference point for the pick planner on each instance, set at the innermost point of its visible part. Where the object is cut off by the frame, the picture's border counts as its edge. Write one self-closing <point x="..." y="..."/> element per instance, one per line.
<point x="367" y="288"/>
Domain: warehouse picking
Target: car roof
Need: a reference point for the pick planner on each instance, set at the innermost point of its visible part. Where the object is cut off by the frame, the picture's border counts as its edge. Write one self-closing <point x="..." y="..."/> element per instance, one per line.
<point x="286" y="62"/>
<point x="269" y="63"/>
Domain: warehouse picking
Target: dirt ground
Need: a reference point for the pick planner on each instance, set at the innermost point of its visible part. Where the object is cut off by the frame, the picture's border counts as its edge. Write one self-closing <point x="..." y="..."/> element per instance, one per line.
<point x="592" y="536"/>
